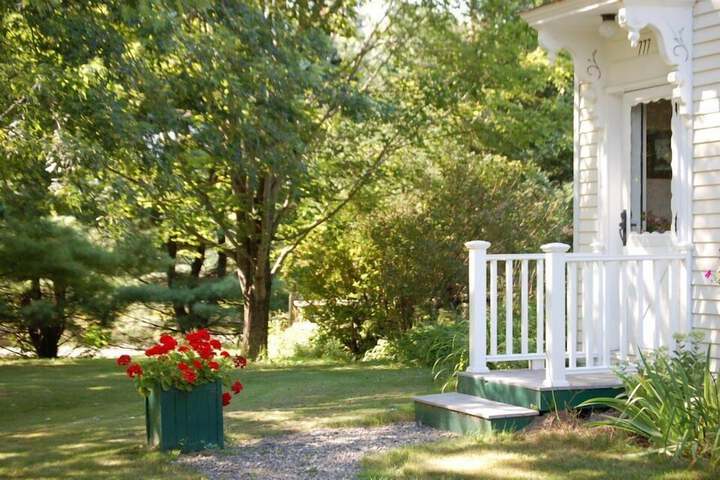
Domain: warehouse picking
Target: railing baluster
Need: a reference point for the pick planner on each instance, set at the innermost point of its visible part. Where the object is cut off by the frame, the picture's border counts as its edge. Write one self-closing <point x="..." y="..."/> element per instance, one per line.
<point x="638" y="330"/>
<point x="508" y="307"/>
<point x="656" y="300"/>
<point x="587" y="294"/>
<point x="524" y="306"/>
<point x="674" y="297"/>
<point x="572" y="315"/>
<point x="622" y="309"/>
<point x="493" y="308"/>
<point x="604" y="323"/>
<point x="540" y="304"/>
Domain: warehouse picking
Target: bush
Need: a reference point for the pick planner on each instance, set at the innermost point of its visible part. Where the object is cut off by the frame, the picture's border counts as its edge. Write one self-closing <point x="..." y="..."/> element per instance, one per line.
<point x="673" y="401"/>
<point x="302" y="340"/>
<point x="385" y="265"/>
<point x="442" y="345"/>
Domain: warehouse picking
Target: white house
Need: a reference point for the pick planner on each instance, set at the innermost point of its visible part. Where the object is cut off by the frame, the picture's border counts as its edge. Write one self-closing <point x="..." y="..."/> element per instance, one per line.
<point x="646" y="210"/>
<point x="647" y="144"/>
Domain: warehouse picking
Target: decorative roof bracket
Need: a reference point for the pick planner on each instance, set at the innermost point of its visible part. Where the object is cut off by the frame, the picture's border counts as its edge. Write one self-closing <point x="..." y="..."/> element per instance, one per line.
<point x="671" y="21"/>
<point x="584" y="50"/>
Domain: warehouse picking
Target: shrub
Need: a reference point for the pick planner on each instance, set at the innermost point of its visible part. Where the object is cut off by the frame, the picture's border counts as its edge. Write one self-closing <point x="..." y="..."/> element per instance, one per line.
<point x="291" y="341"/>
<point x="673" y="401"/>
<point x="442" y="345"/>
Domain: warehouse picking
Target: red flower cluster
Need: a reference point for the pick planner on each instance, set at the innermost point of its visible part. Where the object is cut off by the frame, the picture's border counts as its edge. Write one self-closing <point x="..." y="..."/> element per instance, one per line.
<point x="203" y="345"/>
<point x="236" y="387"/>
<point x="123" y="360"/>
<point x="167" y="344"/>
<point x="133" y="370"/>
<point x="185" y="364"/>
<point x="240" y="361"/>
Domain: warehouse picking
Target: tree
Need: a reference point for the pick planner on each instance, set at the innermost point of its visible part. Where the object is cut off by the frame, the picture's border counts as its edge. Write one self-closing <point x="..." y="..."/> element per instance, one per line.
<point x="378" y="270"/>
<point x="54" y="281"/>
<point x="252" y="121"/>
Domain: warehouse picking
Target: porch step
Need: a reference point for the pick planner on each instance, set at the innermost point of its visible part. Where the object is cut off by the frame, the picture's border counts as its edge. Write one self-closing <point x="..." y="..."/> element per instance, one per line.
<point x="525" y="388"/>
<point x="461" y="413"/>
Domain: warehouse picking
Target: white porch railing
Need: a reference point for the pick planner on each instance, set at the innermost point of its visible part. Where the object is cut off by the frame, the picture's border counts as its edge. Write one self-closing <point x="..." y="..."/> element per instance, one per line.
<point x="575" y="312"/>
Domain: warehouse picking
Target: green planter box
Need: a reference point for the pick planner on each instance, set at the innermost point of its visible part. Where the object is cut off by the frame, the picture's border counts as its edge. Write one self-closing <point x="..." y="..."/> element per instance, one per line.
<point x="186" y="421"/>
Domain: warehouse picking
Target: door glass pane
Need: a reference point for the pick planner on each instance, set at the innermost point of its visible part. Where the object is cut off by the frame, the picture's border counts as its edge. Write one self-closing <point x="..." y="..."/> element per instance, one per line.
<point x="658" y="174"/>
<point x="651" y="167"/>
<point x="636" y="167"/>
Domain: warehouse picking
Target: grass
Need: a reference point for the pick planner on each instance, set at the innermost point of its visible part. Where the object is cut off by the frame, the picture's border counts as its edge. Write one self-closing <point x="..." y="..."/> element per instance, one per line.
<point x="82" y="419"/>
<point x="550" y="453"/>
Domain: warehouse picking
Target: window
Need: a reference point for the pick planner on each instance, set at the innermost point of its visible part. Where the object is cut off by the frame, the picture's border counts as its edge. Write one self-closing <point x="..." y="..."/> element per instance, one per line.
<point x="651" y="168"/>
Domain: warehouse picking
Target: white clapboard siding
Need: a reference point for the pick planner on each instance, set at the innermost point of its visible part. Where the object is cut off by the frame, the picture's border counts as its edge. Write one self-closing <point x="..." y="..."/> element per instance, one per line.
<point x="588" y="136"/>
<point x="706" y="171"/>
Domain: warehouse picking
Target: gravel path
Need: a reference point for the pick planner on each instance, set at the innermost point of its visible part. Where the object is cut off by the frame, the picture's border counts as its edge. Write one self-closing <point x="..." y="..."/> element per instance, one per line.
<point x="325" y="454"/>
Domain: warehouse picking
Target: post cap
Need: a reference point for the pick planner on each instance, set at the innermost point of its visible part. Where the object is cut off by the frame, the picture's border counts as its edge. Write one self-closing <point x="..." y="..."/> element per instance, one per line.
<point x="555" y="247"/>
<point x="477" y="245"/>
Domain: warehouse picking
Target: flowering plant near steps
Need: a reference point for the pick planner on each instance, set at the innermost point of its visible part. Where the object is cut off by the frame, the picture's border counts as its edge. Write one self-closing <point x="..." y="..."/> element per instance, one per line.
<point x="196" y="359"/>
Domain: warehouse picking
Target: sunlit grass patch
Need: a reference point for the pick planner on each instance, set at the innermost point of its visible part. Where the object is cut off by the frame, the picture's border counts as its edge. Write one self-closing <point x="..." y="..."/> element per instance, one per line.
<point x="549" y="452"/>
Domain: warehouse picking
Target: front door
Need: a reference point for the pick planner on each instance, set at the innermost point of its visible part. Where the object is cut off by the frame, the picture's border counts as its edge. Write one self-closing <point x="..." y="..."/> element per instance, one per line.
<point x="651" y="218"/>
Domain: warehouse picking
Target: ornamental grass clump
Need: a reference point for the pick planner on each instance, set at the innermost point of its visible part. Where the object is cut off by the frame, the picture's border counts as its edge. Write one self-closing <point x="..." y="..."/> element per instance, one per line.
<point x="196" y="359"/>
<point x="672" y="400"/>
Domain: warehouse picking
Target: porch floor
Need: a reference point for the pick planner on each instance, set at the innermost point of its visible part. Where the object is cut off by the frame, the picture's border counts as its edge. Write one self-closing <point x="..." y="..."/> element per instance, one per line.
<point x="533" y="379"/>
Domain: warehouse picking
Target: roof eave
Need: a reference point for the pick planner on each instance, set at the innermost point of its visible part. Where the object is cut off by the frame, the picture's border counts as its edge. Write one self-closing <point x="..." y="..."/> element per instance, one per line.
<point x="564" y="8"/>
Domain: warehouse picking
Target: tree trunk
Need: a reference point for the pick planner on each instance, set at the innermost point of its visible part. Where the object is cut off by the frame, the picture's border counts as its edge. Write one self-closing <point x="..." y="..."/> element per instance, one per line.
<point x="256" y="311"/>
<point x="45" y="338"/>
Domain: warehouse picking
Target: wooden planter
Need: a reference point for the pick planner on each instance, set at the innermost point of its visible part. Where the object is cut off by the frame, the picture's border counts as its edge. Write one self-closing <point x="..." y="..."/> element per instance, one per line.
<point x="186" y="421"/>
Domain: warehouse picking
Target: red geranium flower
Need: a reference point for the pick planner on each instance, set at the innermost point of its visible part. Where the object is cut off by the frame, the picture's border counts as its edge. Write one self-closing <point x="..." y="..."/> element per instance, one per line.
<point x="182" y="366"/>
<point x="240" y="361"/>
<point x="198" y="364"/>
<point x="215" y="344"/>
<point x="159" y="349"/>
<point x="224" y="354"/>
<point x="213" y="365"/>
<point x="204" y="351"/>
<point x="200" y="335"/>
<point x="134" y="370"/>
<point x="123" y="360"/>
<point x="189" y="376"/>
<point x="237" y="387"/>
<point x="226" y="398"/>
<point x="169" y="342"/>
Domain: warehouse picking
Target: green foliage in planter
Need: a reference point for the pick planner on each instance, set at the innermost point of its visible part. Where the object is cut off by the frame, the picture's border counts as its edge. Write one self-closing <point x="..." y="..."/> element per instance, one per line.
<point x="673" y="401"/>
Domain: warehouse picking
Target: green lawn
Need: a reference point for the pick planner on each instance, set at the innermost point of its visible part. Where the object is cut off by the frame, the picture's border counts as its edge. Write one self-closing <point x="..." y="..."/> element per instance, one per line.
<point x="82" y="419"/>
<point x="557" y="453"/>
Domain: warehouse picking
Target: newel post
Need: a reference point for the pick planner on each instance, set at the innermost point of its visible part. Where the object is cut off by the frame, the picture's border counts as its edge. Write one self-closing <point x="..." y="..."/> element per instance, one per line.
<point x="478" y="303"/>
<point x="555" y="314"/>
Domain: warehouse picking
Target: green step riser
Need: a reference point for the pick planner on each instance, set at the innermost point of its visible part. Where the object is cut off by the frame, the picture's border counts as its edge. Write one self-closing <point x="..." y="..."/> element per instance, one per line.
<point x="443" y="419"/>
<point x="543" y="401"/>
